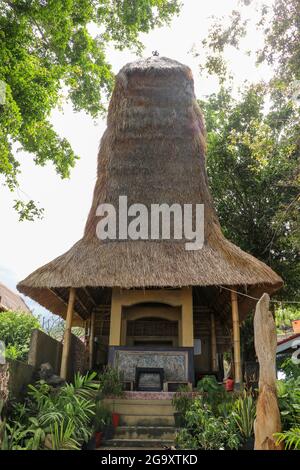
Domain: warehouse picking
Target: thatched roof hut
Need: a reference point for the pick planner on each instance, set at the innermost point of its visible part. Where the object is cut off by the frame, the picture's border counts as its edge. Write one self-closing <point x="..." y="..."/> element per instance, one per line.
<point x="9" y="300"/>
<point x="153" y="151"/>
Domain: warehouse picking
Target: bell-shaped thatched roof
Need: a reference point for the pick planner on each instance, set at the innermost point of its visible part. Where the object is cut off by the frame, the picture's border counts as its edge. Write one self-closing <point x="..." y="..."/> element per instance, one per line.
<point x="153" y="151"/>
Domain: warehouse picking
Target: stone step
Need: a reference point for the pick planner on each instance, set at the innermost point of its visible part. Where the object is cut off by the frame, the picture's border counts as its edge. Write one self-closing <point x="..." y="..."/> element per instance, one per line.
<point x="140" y="401"/>
<point x="147" y="420"/>
<point x="145" y="432"/>
<point x="141" y="407"/>
<point x="137" y="443"/>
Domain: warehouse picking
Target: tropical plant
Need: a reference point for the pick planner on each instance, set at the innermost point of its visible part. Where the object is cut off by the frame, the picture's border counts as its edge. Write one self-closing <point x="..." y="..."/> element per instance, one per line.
<point x="213" y="393"/>
<point x="62" y="436"/>
<point x="182" y="399"/>
<point x="243" y="413"/>
<point x="225" y="408"/>
<point x="290" y="438"/>
<point x="53" y="418"/>
<point x="110" y="381"/>
<point x="103" y="417"/>
<point x="288" y="392"/>
<point x="290" y="369"/>
<point x="284" y="315"/>
<point x="67" y="404"/>
<point x="15" y="331"/>
<point x="206" y="431"/>
<point x="84" y="385"/>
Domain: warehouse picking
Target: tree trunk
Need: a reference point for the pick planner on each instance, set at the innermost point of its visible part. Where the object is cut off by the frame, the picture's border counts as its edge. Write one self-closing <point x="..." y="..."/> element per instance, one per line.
<point x="267" y="421"/>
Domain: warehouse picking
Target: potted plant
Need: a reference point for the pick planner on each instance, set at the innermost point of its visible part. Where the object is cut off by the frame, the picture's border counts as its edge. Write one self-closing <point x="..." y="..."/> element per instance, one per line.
<point x="111" y="386"/>
<point x="109" y="430"/>
<point x="181" y="402"/>
<point x="103" y="424"/>
<point x="99" y="425"/>
<point x="110" y="381"/>
<point x="243" y="414"/>
<point x="115" y="419"/>
<point x="204" y="430"/>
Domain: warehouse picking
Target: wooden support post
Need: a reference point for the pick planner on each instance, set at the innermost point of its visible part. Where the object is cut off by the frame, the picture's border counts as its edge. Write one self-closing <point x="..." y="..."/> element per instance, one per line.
<point x="67" y="334"/>
<point x="91" y="342"/>
<point x="236" y="339"/>
<point x="214" y="357"/>
<point x="187" y="325"/>
<point x="115" y="318"/>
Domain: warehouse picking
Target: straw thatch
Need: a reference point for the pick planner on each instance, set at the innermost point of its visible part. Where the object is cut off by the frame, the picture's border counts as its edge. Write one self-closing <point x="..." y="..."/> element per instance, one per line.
<point x="9" y="300"/>
<point x="153" y="151"/>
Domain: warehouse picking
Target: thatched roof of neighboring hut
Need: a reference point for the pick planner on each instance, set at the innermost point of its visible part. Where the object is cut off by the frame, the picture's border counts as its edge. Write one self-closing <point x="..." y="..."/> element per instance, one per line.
<point x="9" y="300"/>
<point x="153" y="151"/>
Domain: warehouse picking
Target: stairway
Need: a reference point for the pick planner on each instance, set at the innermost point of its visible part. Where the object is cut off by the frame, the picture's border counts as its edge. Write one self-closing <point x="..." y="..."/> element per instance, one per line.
<point x="144" y="424"/>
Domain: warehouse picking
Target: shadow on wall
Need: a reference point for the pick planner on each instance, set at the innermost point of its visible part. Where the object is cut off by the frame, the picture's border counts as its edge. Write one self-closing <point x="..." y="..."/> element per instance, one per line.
<point x="14" y="378"/>
<point x="16" y="375"/>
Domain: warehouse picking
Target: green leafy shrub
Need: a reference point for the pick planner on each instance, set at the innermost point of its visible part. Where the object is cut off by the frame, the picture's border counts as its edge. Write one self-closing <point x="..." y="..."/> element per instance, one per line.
<point x="182" y="399"/>
<point x="213" y="393"/>
<point x="206" y="431"/>
<point x="52" y="418"/>
<point x="15" y="331"/>
<point x="103" y="417"/>
<point x="290" y="438"/>
<point x="289" y="368"/>
<point x="110" y="383"/>
<point x="284" y="317"/>
<point x="288" y="392"/>
<point x="243" y="413"/>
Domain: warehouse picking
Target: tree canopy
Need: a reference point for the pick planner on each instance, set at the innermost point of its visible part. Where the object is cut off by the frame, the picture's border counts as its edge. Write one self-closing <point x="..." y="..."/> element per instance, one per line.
<point x="253" y="140"/>
<point x="47" y="50"/>
<point x="15" y="332"/>
<point x="253" y="158"/>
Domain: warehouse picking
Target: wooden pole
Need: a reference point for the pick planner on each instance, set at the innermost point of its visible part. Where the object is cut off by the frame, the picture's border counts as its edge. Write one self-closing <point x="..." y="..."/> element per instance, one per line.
<point x="236" y="339"/>
<point x="91" y="342"/>
<point x="214" y="358"/>
<point x="67" y="334"/>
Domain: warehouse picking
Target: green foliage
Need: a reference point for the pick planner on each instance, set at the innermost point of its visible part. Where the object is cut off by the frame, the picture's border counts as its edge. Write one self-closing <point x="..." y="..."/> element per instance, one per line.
<point x="247" y="339"/>
<point x="284" y="317"/>
<point x="52" y="418"/>
<point x="282" y="39"/>
<point x="253" y="137"/>
<point x="110" y="382"/>
<point x="288" y="392"/>
<point x="290" y="369"/>
<point x="216" y="419"/>
<point x="19" y="437"/>
<point x="252" y="161"/>
<point x="290" y="438"/>
<point x="84" y="385"/>
<point x="289" y="402"/>
<point x="206" y="431"/>
<point x="243" y="413"/>
<point x="182" y="399"/>
<point x="103" y="417"/>
<point x="15" y="331"/>
<point x="47" y="50"/>
<point x="62" y="436"/>
<point x="213" y="393"/>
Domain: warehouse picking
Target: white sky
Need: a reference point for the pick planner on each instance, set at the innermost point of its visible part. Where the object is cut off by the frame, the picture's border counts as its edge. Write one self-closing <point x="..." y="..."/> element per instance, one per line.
<point x="24" y="246"/>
